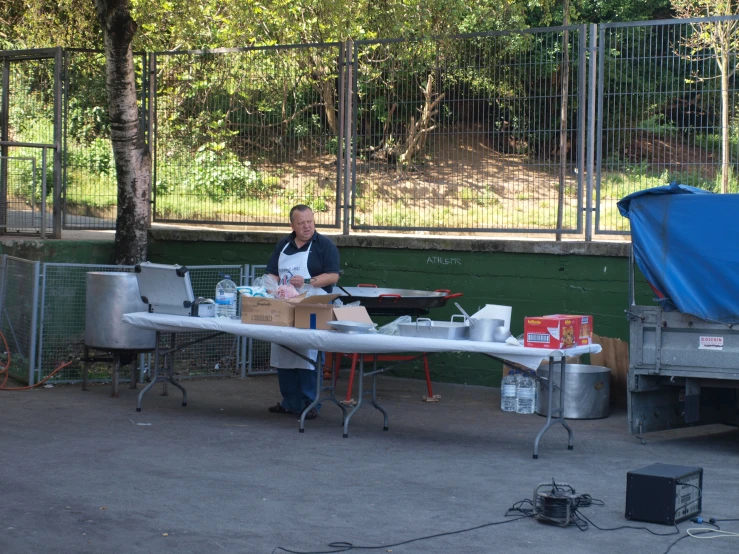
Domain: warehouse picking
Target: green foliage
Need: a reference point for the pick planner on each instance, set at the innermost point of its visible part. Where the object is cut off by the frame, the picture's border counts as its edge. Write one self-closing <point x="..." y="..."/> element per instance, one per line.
<point x="218" y="174"/>
<point x="95" y="157"/>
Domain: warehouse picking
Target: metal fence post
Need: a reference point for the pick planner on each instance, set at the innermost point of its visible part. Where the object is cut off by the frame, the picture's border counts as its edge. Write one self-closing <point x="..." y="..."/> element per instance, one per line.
<point x="592" y="74"/>
<point x="58" y="209"/>
<point x="4" y="109"/>
<point x="242" y="361"/>
<point x="44" y="185"/>
<point x="34" y="324"/>
<point x="152" y="129"/>
<point x="349" y="135"/>
<point x="341" y="201"/>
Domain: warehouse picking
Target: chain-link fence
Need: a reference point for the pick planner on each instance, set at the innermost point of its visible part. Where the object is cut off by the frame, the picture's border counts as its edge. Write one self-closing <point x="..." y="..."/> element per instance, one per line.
<point x="19" y="303"/>
<point x="258" y="354"/>
<point x="260" y="137"/>
<point x="90" y="188"/>
<point x="62" y="322"/>
<point x="667" y="109"/>
<point x="43" y="321"/>
<point x="470" y="133"/>
<point x="218" y="355"/>
<point x="30" y="129"/>
<point x="24" y="189"/>
<point x="62" y="326"/>
<point x="473" y="133"/>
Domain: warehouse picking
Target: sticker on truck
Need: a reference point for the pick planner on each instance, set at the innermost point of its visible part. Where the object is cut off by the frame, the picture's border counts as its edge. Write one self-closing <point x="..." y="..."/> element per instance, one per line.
<point x="711" y="343"/>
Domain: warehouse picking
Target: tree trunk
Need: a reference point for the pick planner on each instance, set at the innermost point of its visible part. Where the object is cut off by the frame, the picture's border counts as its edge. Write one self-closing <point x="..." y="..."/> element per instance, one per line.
<point x="725" y="146"/>
<point x="131" y="153"/>
<point x="328" y="95"/>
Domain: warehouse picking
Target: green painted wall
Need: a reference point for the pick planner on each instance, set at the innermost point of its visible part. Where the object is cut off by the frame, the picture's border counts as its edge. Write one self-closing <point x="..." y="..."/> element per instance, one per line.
<point x="530" y="280"/>
<point x="535" y="278"/>
<point x="61" y="251"/>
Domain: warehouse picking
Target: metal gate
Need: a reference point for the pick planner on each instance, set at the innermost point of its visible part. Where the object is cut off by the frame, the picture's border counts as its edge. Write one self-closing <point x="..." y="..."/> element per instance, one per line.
<point x="30" y="142"/>
<point x="264" y="135"/>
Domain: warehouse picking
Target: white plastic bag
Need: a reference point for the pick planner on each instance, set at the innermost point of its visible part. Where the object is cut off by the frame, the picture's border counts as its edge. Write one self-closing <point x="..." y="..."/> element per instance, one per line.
<point x="392" y="327"/>
<point x="268" y="282"/>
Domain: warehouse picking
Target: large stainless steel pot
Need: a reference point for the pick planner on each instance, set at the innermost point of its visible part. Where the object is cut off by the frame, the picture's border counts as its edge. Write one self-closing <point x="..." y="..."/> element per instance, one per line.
<point x="587" y="391"/>
<point x="484" y="329"/>
<point x="109" y="296"/>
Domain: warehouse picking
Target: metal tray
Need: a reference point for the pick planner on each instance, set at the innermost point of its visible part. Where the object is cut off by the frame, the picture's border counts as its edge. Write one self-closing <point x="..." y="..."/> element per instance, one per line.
<point x="351" y="326"/>
<point x="425" y="328"/>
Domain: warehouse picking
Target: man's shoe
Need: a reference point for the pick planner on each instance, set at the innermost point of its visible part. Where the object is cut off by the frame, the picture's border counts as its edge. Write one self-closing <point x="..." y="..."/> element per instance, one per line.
<point x="277" y="409"/>
<point x="312" y="414"/>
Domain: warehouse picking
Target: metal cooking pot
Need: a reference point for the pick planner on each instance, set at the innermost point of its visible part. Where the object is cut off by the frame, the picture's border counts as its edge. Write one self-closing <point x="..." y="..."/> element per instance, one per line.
<point x="483" y="329"/>
<point x="587" y="391"/>
<point x="110" y="295"/>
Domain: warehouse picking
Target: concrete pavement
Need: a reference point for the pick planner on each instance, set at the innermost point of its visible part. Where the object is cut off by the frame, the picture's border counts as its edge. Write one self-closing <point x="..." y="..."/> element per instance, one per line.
<point x="85" y="473"/>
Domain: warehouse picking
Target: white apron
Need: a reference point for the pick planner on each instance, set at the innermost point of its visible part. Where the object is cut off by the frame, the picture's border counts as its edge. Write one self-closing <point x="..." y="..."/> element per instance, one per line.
<point x="289" y="266"/>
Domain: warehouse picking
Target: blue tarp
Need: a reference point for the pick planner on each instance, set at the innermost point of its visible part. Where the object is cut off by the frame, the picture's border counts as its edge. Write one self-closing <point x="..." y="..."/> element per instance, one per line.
<point x="686" y="243"/>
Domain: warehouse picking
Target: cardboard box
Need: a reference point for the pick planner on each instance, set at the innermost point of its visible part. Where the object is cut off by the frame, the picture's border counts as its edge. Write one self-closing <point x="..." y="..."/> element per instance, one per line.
<point x="315" y="311"/>
<point x="312" y="312"/>
<point x="352" y="313"/>
<point x="312" y="315"/>
<point x="586" y="327"/>
<point x="557" y="331"/>
<point x="267" y="311"/>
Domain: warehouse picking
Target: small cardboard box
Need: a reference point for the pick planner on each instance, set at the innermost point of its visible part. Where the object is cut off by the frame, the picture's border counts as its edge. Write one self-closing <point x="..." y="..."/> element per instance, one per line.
<point x="555" y="331"/>
<point x="352" y="313"/>
<point x="586" y="327"/>
<point x="314" y="311"/>
<point x="267" y="311"/>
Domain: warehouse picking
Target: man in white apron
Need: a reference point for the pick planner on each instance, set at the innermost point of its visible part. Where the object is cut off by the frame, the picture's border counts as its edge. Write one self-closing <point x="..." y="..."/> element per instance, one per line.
<point x="303" y="257"/>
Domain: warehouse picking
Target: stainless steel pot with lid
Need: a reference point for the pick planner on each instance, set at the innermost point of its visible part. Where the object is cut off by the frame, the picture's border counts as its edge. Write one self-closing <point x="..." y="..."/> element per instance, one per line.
<point x="109" y="296"/>
<point x="587" y="391"/>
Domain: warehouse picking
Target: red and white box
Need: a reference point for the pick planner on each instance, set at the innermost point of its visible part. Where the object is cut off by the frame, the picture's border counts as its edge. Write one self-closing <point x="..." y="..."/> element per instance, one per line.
<point x="557" y="331"/>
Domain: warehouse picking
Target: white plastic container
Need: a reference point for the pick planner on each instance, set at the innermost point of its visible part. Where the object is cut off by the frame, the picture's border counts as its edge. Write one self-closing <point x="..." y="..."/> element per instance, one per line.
<point x="508" y="393"/>
<point x="226" y="298"/>
<point x="525" y="395"/>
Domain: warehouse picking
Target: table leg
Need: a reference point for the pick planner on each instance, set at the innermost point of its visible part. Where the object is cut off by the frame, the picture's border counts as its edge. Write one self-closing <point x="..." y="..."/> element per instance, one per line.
<point x="116" y="375"/>
<point x="134" y="373"/>
<point x="360" y="396"/>
<point x="86" y="369"/>
<point x="559" y="411"/>
<point x="319" y="388"/>
<point x="374" y="395"/>
<point x="154" y="376"/>
<point x="170" y="370"/>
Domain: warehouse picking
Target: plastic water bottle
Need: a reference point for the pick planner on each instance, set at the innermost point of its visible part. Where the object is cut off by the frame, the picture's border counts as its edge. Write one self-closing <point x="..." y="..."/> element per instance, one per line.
<point x="226" y="298"/>
<point x="525" y="396"/>
<point x="508" y="393"/>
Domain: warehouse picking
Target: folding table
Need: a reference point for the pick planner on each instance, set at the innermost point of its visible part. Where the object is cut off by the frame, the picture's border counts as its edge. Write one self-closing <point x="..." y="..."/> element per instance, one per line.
<point x="368" y="343"/>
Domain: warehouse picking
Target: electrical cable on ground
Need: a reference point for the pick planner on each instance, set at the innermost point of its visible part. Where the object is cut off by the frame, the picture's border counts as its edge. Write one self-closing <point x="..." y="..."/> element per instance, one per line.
<point x="562" y="507"/>
<point x="6" y="371"/>
<point x="342" y="546"/>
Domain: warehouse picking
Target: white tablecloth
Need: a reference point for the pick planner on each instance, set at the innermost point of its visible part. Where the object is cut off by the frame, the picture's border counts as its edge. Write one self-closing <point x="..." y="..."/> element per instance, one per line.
<point x="333" y="341"/>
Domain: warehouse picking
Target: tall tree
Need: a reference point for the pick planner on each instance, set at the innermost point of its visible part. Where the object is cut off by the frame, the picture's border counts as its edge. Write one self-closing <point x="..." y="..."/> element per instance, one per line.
<point x="718" y="40"/>
<point x="131" y="152"/>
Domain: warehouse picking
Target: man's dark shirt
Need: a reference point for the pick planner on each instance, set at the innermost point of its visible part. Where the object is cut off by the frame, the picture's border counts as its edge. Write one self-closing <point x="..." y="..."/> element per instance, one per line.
<point x="323" y="256"/>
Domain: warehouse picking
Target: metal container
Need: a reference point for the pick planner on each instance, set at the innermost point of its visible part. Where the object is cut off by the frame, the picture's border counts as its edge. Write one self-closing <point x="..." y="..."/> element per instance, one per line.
<point x="483" y="329"/>
<point x="425" y="328"/>
<point x="587" y="391"/>
<point x="109" y="296"/>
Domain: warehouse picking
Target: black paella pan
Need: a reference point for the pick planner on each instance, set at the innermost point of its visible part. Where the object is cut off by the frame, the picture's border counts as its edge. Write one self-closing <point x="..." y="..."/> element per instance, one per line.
<point x="388" y="301"/>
